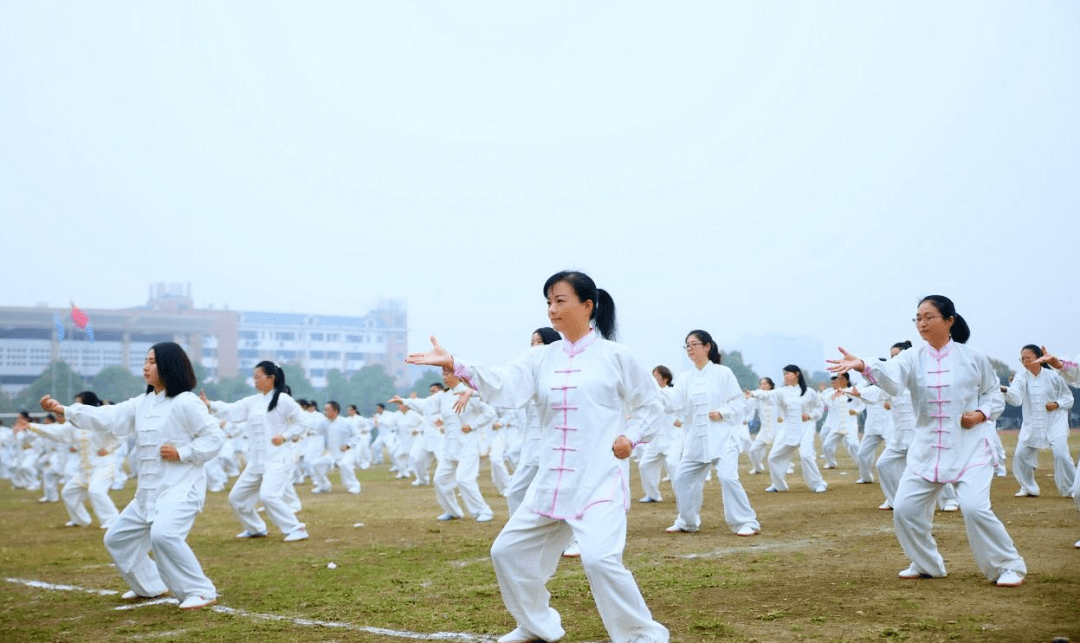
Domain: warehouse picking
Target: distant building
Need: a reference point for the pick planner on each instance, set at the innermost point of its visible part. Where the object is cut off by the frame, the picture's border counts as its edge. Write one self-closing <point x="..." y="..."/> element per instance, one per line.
<point x="226" y="343"/>
<point x="768" y="354"/>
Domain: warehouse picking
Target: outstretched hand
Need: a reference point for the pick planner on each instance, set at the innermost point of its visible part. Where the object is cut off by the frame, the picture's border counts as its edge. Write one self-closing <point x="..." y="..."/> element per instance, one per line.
<point x="437" y="356"/>
<point x="847" y="362"/>
<point x="462" y="401"/>
<point x="51" y="405"/>
<point x="1049" y="359"/>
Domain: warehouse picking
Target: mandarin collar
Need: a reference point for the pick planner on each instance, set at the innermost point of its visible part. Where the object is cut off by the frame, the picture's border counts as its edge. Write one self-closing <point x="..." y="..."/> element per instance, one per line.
<point x="945" y="350"/>
<point x="576" y="348"/>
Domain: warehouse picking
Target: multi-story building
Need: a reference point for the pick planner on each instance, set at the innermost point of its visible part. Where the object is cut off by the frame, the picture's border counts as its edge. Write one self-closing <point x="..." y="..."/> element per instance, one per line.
<point x="226" y="342"/>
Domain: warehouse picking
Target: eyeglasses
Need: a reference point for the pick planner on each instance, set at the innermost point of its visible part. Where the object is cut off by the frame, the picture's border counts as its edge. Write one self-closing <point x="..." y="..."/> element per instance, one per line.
<point x="918" y="320"/>
<point x="689" y="345"/>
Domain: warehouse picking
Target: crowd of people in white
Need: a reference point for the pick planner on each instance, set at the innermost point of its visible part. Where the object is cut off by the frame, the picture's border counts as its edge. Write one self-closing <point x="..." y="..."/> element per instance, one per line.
<point x="928" y="437"/>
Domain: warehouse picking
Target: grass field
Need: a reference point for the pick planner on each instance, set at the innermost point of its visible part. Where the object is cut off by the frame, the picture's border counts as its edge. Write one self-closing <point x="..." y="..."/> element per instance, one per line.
<point x="824" y="569"/>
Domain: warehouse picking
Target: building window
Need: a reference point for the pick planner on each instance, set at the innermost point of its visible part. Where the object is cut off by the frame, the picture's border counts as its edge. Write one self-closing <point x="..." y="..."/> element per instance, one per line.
<point x="286" y="354"/>
<point x="316" y="354"/>
<point x="316" y="337"/>
<point x="354" y="356"/>
<point x="354" y="338"/>
<point x="318" y="372"/>
<point x="331" y="337"/>
<point x="333" y="355"/>
<point x="248" y="334"/>
<point x="282" y="336"/>
<point x="248" y="352"/>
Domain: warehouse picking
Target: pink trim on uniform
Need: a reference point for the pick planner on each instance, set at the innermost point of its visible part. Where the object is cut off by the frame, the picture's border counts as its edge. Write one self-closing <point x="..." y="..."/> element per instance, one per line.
<point x="462" y="373"/>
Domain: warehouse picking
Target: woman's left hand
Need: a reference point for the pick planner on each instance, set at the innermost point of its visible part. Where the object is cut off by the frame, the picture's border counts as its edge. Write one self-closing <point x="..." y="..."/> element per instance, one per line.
<point x="715" y="416"/>
<point x="169" y="452"/>
<point x="972" y="418"/>
<point x="622" y="447"/>
<point x="1052" y="406"/>
<point x="277" y="440"/>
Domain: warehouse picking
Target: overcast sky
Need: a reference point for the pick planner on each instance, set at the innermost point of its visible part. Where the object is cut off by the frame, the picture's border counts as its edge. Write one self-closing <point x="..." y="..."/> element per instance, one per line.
<point x="806" y="168"/>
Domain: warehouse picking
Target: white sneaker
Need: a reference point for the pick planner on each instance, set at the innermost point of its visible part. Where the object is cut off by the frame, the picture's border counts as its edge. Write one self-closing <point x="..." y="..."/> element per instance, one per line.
<point x="1077" y="545"/>
<point x="130" y="595"/>
<point x="572" y="551"/>
<point x="520" y="635"/>
<point x="447" y="517"/>
<point x="1025" y="494"/>
<point x="485" y="518"/>
<point x="822" y="489"/>
<point x="1009" y="578"/>
<point x="951" y="506"/>
<point x="911" y="573"/>
<point x="248" y="534"/>
<point x="885" y="506"/>
<point x="648" y="499"/>
<point x="195" y="601"/>
<point x="747" y="530"/>
<point x="299" y="534"/>
<point x="678" y="529"/>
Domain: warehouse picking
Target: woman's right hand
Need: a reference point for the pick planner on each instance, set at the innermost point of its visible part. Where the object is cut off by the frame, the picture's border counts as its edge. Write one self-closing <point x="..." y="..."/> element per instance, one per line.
<point x="51" y="405"/>
<point x="1049" y="360"/>
<point x="846" y="363"/>
<point x="437" y="356"/>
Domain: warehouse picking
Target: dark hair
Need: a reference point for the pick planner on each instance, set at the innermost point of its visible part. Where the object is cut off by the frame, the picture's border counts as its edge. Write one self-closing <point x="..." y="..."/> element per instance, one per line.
<point x="772" y="385"/>
<point x="174" y="369"/>
<point x="380" y="405"/>
<point x="705" y="338"/>
<point x="585" y="288"/>
<point x="439" y="384"/>
<point x="271" y="369"/>
<point x="1034" y="349"/>
<point x="548" y="334"/>
<point x="334" y="405"/>
<point x="904" y="345"/>
<point x="302" y="402"/>
<point x="847" y="378"/>
<point x="665" y="373"/>
<point x="791" y="368"/>
<point x="25" y="415"/>
<point x="959" y="332"/>
<point x="88" y="398"/>
<point x="353" y="407"/>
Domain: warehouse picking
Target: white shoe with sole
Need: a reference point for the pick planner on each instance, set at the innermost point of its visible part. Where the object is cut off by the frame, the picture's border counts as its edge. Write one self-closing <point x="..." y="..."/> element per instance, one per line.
<point x="1009" y="578"/>
<point x="747" y="530"/>
<point x="299" y="534"/>
<point x="195" y="601"/>
<point x="520" y="635"/>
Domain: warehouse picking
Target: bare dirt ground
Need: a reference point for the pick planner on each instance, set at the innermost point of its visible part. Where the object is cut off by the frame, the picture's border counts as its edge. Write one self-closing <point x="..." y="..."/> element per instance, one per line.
<point x="823" y="569"/>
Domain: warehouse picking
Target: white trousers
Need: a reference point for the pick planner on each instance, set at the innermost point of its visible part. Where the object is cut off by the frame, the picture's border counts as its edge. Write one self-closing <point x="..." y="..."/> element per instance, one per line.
<point x="890" y="465"/>
<point x="270" y="488"/>
<point x="913" y="517"/>
<point x="346" y="463"/>
<point x="690" y="487"/>
<point x="781" y="456"/>
<point x="78" y="490"/>
<point x="460" y="474"/>
<point x="519" y="484"/>
<point x="527" y="551"/>
<point x="831" y="441"/>
<point x="500" y="475"/>
<point x="420" y="460"/>
<point x="867" y="454"/>
<point x="174" y="567"/>
<point x="649" y="469"/>
<point x="1026" y="459"/>
<point x="758" y="453"/>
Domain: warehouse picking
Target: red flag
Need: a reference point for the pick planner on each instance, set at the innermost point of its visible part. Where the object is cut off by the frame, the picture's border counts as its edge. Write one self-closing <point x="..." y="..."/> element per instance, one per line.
<point x="78" y="316"/>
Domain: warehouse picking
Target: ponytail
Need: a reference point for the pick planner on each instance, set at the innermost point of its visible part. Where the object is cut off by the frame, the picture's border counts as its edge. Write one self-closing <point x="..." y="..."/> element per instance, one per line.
<point x="604" y="314"/>
<point x="960" y="331"/>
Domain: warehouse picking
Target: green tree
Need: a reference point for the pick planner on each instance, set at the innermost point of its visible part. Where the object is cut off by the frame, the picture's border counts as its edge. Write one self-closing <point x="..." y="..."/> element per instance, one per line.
<point x="337" y="389"/>
<point x="116" y="383"/>
<point x="370" y="386"/>
<point x="58" y="380"/>
<point x="745" y="375"/>
<point x="227" y="389"/>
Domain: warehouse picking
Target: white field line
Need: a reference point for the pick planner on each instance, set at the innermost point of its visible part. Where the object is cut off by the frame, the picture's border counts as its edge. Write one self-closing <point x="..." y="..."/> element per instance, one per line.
<point x="221" y="609"/>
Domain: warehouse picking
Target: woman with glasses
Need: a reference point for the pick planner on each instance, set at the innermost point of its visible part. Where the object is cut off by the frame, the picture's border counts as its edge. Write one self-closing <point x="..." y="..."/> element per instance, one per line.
<point x="1046" y="400"/>
<point x="596" y="402"/>
<point x="798" y="409"/>
<point x="956" y="396"/>
<point x="708" y="397"/>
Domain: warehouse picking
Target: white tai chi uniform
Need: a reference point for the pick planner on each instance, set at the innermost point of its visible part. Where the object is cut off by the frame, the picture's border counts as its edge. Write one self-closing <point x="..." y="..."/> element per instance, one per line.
<point x="893" y="460"/>
<point x="1070" y="372"/>
<point x="663" y="450"/>
<point x="708" y="443"/>
<point x="1041" y="428"/>
<point x="794" y="435"/>
<point x="342" y="445"/>
<point x="944" y="384"/>
<point x="408" y="427"/>
<point x="583" y="391"/>
<point x="459" y="459"/>
<point x="427" y="444"/>
<point x="844" y="415"/>
<point x="766" y="435"/>
<point x="92" y="475"/>
<point x="169" y="494"/>
<point x="528" y="461"/>
<point x="876" y="430"/>
<point x="268" y="474"/>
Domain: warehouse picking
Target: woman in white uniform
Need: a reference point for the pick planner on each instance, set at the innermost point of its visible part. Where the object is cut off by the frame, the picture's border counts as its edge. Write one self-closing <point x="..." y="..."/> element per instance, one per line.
<point x="766" y="412"/>
<point x="665" y="448"/>
<point x="798" y="409"/>
<point x="1046" y="400"/>
<point x="1070" y="372"/>
<point x="174" y="437"/>
<point x="710" y="399"/>
<point x="956" y="396"/>
<point x="584" y="387"/>
<point x="844" y="412"/>
<point x="273" y="418"/>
